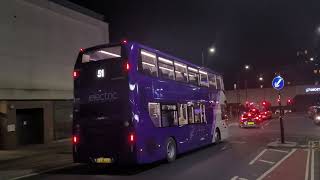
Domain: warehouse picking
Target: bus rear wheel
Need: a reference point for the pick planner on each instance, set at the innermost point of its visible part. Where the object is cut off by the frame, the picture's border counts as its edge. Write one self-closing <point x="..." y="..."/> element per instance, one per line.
<point x="171" y="150"/>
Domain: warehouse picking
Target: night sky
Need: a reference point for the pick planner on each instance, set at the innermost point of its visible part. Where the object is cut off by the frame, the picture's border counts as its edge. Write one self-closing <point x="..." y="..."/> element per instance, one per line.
<point x="265" y="33"/>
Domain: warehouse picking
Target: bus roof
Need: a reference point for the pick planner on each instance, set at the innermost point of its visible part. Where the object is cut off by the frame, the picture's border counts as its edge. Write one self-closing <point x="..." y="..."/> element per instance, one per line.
<point x="159" y="53"/>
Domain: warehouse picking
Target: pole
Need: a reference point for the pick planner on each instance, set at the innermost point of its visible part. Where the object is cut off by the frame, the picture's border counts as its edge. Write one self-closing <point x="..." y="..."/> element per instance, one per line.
<point x="246" y="87"/>
<point x="202" y="58"/>
<point x="281" y="119"/>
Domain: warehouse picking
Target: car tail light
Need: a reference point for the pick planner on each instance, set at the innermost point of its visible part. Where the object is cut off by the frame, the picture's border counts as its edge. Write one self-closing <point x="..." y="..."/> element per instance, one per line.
<point x="124" y="41"/>
<point x="249" y="114"/>
<point x="75" y="139"/>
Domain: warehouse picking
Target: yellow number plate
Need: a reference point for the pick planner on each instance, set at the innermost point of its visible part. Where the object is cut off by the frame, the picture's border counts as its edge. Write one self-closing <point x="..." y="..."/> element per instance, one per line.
<point x="250" y="123"/>
<point x="102" y="160"/>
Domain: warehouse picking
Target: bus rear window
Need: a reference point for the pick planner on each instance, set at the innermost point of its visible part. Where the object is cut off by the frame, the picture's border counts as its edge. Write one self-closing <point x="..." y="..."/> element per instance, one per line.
<point x="102" y="54"/>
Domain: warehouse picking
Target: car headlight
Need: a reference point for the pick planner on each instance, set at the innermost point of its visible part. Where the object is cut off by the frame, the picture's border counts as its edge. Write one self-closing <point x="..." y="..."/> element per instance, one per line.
<point x="318" y="118"/>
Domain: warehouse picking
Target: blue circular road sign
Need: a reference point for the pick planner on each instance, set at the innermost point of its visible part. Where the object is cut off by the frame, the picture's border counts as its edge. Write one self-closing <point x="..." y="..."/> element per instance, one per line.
<point x="278" y="83"/>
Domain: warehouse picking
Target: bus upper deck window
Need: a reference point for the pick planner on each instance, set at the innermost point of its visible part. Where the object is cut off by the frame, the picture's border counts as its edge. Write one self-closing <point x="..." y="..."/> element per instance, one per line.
<point x="149" y="63"/>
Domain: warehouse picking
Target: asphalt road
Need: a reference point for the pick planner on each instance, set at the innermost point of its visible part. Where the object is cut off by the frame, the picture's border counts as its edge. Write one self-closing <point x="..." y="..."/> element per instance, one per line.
<point x="244" y="156"/>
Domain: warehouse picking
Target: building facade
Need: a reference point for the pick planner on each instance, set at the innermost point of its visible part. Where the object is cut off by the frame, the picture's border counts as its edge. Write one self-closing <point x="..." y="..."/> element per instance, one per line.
<point x="40" y="40"/>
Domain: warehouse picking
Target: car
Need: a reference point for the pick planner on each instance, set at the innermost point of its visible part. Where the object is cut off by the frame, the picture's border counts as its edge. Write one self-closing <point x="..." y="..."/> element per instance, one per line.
<point x="316" y="116"/>
<point x="250" y="119"/>
<point x="266" y="114"/>
<point x="312" y="111"/>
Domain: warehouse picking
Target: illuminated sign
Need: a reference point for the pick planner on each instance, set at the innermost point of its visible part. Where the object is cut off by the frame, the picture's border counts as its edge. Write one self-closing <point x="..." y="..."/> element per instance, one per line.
<point x="312" y="90"/>
<point x="100" y="73"/>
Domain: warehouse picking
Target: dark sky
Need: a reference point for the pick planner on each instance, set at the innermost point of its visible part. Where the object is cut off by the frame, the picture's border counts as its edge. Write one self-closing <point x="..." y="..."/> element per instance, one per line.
<point x="263" y="33"/>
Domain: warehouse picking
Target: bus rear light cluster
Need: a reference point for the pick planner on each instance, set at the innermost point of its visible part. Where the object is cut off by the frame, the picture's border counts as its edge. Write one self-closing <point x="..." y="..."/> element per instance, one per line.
<point x="76" y="74"/>
<point x="131" y="138"/>
<point x="126" y="66"/>
<point x="75" y="139"/>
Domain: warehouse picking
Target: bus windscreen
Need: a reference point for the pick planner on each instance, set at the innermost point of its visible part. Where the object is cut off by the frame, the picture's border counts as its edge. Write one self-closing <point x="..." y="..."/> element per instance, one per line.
<point x="102" y="54"/>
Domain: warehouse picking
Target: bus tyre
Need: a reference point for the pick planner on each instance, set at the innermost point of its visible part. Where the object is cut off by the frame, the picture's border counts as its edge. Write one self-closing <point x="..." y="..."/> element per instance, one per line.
<point x="171" y="150"/>
<point x="217" y="136"/>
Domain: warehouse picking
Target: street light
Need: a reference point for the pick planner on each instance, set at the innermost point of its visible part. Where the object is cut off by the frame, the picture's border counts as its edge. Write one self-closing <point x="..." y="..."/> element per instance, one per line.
<point x="211" y="50"/>
<point x="318" y="29"/>
<point x="311" y="59"/>
<point x="260" y="78"/>
<point x="246" y="67"/>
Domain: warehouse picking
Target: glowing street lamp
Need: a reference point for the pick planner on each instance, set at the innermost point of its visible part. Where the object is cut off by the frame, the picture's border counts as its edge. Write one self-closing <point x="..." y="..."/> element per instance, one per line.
<point x="211" y="50"/>
<point x="246" y="67"/>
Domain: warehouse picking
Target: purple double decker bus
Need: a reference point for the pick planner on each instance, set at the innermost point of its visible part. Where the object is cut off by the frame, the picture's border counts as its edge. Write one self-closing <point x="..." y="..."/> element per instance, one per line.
<point x="135" y="105"/>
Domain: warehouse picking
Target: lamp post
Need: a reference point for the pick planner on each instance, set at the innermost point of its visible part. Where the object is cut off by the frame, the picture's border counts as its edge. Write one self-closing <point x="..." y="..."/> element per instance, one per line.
<point x="246" y="68"/>
<point x="211" y="50"/>
<point x="261" y="86"/>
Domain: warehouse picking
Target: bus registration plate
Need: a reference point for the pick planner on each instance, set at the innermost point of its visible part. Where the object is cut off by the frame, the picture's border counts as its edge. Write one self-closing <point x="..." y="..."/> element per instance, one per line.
<point x="102" y="160"/>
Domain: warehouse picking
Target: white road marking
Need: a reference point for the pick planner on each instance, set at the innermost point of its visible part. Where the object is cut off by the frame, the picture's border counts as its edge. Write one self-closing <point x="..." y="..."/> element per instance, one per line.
<point x="42" y="172"/>
<point x="238" y="142"/>
<point x="243" y="179"/>
<point x="312" y="165"/>
<point x="277" y="150"/>
<point x="269" y="162"/>
<point x="306" y="176"/>
<point x="234" y="178"/>
<point x="276" y="165"/>
<point x="258" y="156"/>
<point x="223" y="148"/>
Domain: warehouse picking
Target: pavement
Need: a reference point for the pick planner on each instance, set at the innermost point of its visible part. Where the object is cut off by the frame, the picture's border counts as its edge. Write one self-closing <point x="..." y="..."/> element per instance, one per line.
<point x="34" y="159"/>
<point x="246" y="155"/>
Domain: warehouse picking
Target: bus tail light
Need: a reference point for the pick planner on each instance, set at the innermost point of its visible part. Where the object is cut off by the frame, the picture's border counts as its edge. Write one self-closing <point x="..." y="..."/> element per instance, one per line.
<point x="131" y="138"/>
<point x="126" y="66"/>
<point x="75" y="139"/>
<point x="76" y="74"/>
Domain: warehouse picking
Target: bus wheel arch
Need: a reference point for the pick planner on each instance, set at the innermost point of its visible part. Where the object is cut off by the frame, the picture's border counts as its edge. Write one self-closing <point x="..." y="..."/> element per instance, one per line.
<point x="171" y="149"/>
<point x="217" y="135"/>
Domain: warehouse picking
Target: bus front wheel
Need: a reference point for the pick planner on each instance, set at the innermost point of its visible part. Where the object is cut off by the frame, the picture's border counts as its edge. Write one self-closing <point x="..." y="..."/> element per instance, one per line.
<point x="171" y="150"/>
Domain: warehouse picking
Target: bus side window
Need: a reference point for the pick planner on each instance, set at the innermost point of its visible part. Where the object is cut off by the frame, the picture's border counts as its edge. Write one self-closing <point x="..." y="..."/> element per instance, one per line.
<point x="204" y="79"/>
<point x="218" y="82"/>
<point x="154" y="113"/>
<point x="203" y="113"/>
<point x="169" y="115"/>
<point x="190" y="114"/>
<point x="148" y="63"/>
<point x="182" y="111"/>
<point x="193" y="76"/>
<point x="166" y="68"/>
<point x="212" y="81"/>
<point x="197" y="113"/>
